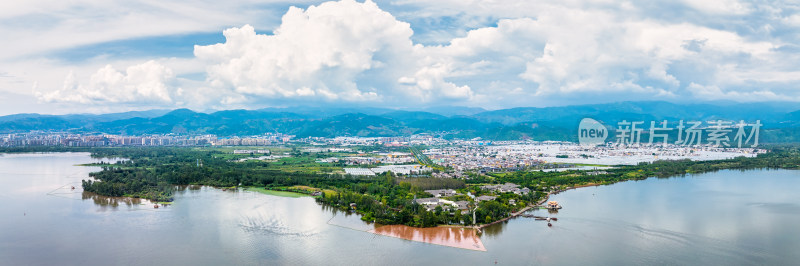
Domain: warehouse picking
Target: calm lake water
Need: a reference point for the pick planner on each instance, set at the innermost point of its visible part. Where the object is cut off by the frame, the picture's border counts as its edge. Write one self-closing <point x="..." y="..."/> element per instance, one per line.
<point x="723" y="218"/>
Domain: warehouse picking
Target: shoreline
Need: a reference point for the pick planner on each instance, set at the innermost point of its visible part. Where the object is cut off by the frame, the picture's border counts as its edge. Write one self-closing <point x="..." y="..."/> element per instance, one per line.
<point x="479" y="227"/>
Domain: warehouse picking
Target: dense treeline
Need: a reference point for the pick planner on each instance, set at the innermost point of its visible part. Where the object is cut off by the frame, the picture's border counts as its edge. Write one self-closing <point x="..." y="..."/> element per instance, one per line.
<point x="129" y="182"/>
<point x="385" y="202"/>
<point x="391" y="201"/>
<point x="148" y="168"/>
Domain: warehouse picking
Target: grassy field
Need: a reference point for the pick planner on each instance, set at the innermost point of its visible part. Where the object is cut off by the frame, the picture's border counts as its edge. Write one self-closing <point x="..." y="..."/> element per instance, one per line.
<point x="305" y="164"/>
<point x="277" y="193"/>
<point x="289" y="193"/>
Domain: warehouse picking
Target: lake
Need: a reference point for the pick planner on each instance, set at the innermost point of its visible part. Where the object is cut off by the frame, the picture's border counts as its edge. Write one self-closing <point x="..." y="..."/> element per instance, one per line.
<point x="721" y="218"/>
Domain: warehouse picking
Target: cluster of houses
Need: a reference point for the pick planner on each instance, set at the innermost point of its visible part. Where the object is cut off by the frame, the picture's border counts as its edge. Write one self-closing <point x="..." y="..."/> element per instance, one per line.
<point x="482" y="158"/>
<point x="507" y="187"/>
<point x="359" y="160"/>
<point x="597" y="173"/>
<point x="484" y="198"/>
<point x="454" y="174"/>
<point x="442" y="192"/>
<point x="462" y="205"/>
<point x="262" y="151"/>
<point x="431" y="203"/>
<point x="381" y="158"/>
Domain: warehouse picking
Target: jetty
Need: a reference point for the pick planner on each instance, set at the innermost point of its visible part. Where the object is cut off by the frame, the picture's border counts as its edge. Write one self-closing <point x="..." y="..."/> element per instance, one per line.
<point x="540" y="218"/>
<point x="513" y="214"/>
<point x="551" y="205"/>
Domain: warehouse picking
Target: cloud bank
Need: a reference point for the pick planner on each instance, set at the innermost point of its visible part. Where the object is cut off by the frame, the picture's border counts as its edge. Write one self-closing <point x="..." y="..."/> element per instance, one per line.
<point x="539" y="52"/>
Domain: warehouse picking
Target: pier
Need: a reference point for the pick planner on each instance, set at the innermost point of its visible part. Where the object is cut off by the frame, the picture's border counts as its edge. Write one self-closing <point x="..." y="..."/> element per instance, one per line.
<point x="551" y="205"/>
<point x="513" y="214"/>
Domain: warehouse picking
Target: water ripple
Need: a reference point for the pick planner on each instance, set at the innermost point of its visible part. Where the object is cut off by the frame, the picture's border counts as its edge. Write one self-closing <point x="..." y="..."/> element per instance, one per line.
<point x="262" y="223"/>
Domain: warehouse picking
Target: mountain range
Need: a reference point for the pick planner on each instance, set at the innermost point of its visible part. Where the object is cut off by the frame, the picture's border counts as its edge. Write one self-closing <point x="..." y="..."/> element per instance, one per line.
<point x="781" y="120"/>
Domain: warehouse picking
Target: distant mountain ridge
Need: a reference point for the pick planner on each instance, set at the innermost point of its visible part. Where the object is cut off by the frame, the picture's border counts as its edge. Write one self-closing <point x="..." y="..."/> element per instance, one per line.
<point x="781" y="120"/>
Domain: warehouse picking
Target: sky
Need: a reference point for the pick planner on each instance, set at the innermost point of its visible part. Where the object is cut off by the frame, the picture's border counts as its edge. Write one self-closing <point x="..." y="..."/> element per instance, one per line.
<point x="87" y="56"/>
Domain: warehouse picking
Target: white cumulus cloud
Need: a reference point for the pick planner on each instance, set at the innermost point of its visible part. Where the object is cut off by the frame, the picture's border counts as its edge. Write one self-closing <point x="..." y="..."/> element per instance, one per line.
<point x="346" y="51"/>
<point x="522" y="53"/>
<point x="148" y="82"/>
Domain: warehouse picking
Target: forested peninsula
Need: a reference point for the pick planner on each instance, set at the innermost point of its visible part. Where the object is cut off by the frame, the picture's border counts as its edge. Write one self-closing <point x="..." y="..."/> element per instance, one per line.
<point x="153" y="172"/>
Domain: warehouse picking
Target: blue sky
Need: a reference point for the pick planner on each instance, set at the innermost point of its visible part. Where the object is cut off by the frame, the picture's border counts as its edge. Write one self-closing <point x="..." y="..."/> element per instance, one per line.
<point x="109" y="56"/>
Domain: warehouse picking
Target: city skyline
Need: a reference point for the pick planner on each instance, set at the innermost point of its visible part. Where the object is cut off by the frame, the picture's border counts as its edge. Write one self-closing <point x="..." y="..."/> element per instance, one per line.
<point x="90" y="57"/>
